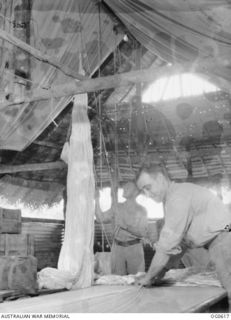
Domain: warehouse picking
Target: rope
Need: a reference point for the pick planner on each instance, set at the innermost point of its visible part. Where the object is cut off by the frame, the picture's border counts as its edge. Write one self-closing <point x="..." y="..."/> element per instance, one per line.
<point x="99" y="102"/>
<point x="102" y="143"/>
<point x="101" y="222"/>
<point x="102" y="146"/>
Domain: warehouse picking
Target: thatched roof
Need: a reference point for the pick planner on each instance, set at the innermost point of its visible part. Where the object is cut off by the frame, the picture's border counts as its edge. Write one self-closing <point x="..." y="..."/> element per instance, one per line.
<point x="18" y="191"/>
<point x="182" y="134"/>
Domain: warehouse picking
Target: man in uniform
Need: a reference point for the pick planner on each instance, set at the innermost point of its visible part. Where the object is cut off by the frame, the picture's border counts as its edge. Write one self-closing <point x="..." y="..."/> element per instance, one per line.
<point x="194" y="217"/>
<point x="130" y="226"/>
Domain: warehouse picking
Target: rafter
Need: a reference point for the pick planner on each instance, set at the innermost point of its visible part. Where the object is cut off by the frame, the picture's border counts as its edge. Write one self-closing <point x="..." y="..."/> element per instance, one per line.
<point x="32" y="167"/>
<point x="40" y="55"/>
<point x="124" y="79"/>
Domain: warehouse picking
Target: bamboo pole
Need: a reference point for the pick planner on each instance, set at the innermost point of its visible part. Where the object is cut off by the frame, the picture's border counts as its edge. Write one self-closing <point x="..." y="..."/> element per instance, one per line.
<point x="32" y="167"/>
<point x="39" y="55"/>
<point x="47" y="144"/>
<point x="120" y="80"/>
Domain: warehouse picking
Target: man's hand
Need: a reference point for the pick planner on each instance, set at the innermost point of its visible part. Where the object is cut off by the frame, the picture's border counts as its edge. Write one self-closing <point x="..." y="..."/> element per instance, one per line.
<point x="144" y="281"/>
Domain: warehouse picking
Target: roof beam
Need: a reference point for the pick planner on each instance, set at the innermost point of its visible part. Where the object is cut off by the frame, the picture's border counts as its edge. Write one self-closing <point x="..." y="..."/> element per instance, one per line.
<point x="32" y="167"/>
<point x="40" y="55"/>
<point x="123" y="79"/>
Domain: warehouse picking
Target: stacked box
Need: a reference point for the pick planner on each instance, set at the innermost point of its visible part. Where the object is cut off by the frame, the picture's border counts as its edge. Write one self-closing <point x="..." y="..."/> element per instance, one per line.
<point x="16" y="245"/>
<point x="10" y="221"/>
<point x="18" y="273"/>
<point x="18" y="267"/>
<point x="12" y="242"/>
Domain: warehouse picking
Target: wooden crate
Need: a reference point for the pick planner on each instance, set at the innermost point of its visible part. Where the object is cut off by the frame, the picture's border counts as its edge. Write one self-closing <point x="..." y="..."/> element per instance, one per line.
<point x="16" y="245"/>
<point x="10" y="221"/>
<point x="47" y="239"/>
<point x="18" y="273"/>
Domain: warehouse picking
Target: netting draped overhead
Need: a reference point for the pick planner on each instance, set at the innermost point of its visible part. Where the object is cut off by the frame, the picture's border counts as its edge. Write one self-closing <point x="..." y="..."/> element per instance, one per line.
<point x="181" y="31"/>
<point x="64" y="30"/>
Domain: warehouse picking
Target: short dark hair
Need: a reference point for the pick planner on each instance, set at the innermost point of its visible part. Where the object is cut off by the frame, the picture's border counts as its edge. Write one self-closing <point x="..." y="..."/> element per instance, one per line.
<point x="154" y="170"/>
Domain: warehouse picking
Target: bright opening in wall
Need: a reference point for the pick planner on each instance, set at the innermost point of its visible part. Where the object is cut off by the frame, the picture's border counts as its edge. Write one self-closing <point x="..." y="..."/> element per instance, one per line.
<point x="226" y="195"/>
<point x="176" y="86"/>
<point x="43" y="212"/>
<point x="154" y="210"/>
<point x="105" y="200"/>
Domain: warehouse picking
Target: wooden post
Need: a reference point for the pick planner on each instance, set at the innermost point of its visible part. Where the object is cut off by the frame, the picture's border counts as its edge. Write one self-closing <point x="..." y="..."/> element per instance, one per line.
<point x="21" y="30"/>
<point x="139" y="118"/>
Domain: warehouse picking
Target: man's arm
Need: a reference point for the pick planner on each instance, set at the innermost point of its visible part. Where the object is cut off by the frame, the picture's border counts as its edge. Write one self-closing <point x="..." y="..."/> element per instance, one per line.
<point x="140" y="230"/>
<point x="156" y="269"/>
<point x="177" y="221"/>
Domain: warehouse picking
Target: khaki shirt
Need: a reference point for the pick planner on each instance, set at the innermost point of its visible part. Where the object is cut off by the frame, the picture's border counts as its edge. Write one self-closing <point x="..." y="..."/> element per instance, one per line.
<point x="130" y="215"/>
<point x="193" y="217"/>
